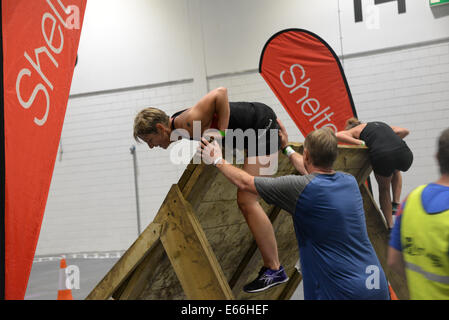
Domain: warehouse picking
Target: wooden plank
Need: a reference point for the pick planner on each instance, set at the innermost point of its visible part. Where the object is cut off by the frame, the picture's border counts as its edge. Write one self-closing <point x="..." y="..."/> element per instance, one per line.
<point x="117" y="293"/>
<point x="162" y="283"/>
<point x="292" y="284"/>
<point x="213" y="214"/>
<point x="221" y="190"/>
<point x="143" y="272"/>
<point x="378" y="234"/>
<point x="189" y="252"/>
<point x="188" y="184"/>
<point x="351" y="157"/>
<point x="364" y="173"/>
<point x="230" y="243"/>
<point x="127" y="263"/>
<point x="186" y="175"/>
<point x="198" y="184"/>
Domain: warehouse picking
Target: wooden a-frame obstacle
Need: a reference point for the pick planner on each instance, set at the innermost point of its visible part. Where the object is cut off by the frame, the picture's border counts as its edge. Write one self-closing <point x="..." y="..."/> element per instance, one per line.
<point x="200" y="247"/>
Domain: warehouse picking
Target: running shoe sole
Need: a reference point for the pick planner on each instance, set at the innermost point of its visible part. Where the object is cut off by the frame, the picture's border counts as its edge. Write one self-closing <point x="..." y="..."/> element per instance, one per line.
<point x="268" y="287"/>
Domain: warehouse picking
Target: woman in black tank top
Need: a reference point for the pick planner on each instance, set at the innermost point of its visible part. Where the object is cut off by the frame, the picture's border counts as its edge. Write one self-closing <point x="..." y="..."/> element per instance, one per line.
<point x="261" y="142"/>
<point x="248" y="128"/>
<point x="388" y="154"/>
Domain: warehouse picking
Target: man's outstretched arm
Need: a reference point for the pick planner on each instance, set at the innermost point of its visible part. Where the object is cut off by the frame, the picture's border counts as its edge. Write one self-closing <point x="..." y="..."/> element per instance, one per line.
<point x="211" y="153"/>
<point x="281" y="191"/>
<point x="237" y="176"/>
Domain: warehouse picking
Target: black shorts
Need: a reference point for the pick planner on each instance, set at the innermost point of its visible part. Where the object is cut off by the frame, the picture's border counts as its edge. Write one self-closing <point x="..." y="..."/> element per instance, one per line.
<point x="387" y="163"/>
<point x="260" y="138"/>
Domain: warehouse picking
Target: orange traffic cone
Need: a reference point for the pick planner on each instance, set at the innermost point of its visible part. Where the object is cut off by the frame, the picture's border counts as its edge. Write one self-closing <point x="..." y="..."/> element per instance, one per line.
<point x="63" y="292"/>
<point x="393" y="295"/>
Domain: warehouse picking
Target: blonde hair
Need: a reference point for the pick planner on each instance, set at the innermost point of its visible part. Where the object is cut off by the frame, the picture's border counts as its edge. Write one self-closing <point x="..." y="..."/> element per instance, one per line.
<point x="146" y="120"/>
<point x="351" y="123"/>
<point x="322" y="146"/>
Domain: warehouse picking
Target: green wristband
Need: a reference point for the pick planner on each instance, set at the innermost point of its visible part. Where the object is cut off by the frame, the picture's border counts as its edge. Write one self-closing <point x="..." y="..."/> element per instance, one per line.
<point x="288" y="151"/>
<point x="222" y="133"/>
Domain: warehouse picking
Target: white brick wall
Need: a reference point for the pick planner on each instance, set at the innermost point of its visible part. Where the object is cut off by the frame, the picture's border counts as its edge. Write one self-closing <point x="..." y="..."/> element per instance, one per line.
<point x="91" y="205"/>
<point x="406" y="88"/>
<point x="250" y="86"/>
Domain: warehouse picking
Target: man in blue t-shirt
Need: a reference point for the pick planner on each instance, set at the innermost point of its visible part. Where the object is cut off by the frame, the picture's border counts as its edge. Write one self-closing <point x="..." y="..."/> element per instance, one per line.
<point x="337" y="258"/>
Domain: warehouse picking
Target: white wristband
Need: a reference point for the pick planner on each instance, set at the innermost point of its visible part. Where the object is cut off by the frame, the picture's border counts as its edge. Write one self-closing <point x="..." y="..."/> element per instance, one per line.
<point x="288" y="151"/>
<point x="217" y="160"/>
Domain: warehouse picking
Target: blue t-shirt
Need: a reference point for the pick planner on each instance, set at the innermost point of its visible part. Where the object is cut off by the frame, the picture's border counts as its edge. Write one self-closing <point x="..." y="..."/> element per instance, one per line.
<point x="337" y="258"/>
<point x="434" y="198"/>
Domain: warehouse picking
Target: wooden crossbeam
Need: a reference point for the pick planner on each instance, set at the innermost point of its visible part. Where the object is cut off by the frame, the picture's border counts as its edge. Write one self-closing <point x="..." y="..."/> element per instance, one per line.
<point x="144" y="271"/>
<point x="290" y="287"/>
<point x="189" y="251"/>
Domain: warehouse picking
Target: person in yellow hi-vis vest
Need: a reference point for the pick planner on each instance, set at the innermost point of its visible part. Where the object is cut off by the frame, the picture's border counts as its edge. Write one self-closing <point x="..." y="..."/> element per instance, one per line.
<point x="419" y="243"/>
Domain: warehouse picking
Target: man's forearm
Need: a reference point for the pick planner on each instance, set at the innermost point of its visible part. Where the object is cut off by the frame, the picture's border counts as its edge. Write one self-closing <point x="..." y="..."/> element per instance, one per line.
<point x="297" y="161"/>
<point x="243" y="180"/>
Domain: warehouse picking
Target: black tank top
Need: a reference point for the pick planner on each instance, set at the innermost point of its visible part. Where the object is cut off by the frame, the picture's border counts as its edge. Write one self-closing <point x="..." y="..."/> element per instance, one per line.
<point x="242" y="115"/>
<point x="380" y="138"/>
<point x="173" y="117"/>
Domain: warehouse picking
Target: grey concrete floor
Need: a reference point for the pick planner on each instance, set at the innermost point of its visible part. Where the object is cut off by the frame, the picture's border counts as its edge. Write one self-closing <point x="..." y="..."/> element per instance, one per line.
<point x="44" y="278"/>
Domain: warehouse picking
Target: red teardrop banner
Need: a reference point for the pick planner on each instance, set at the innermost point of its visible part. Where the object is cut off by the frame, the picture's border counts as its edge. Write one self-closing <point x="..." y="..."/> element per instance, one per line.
<point x="306" y="76"/>
<point x="40" y="44"/>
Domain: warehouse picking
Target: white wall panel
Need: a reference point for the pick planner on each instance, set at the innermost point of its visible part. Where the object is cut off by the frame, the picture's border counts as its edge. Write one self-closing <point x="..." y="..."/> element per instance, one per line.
<point x="91" y="204"/>
<point x="383" y="27"/>
<point x="132" y="43"/>
<point x="406" y="88"/>
<point x="236" y="31"/>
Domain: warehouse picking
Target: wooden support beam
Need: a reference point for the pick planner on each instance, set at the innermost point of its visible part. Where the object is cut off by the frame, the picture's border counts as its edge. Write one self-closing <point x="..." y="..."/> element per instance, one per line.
<point x="378" y="234"/>
<point x="292" y="284"/>
<point x="189" y="178"/>
<point x="144" y="271"/>
<point x="200" y="181"/>
<point x="127" y="263"/>
<point x="363" y="174"/>
<point x="189" y="251"/>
